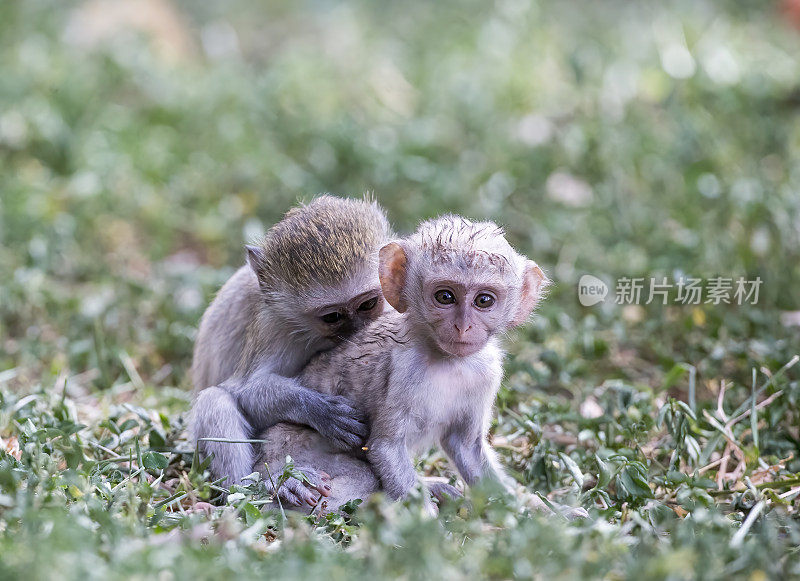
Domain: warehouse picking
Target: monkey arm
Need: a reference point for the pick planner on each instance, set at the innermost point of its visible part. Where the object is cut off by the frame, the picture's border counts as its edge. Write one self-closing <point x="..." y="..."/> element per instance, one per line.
<point x="216" y="415"/>
<point x="266" y="398"/>
<point x="464" y="453"/>
<point x="474" y="458"/>
<point x="491" y="467"/>
<point x="390" y="461"/>
<point x="238" y="409"/>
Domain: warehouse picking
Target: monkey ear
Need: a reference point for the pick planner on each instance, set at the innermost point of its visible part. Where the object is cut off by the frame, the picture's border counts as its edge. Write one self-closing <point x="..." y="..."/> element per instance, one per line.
<point x="534" y="282"/>
<point x="255" y="257"/>
<point x="392" y="270"/>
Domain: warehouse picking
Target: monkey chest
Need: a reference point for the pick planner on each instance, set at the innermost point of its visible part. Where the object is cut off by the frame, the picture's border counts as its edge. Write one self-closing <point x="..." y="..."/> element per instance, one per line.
<point x="444" y="397"/>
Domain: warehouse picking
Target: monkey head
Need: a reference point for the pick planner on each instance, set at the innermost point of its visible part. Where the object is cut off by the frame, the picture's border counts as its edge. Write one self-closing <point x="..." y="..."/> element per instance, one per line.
<point x="459" y="283"/>
<point x="317" y="268"/>
<point x="338" y="311"/>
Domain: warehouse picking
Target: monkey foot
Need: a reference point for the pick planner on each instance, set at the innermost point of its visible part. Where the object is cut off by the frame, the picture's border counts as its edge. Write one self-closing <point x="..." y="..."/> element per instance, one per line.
<point x="571" y="512"/>
<point x="443" y="491"/>
<point x="568" y="512"/>
<point x="295" y="492"/>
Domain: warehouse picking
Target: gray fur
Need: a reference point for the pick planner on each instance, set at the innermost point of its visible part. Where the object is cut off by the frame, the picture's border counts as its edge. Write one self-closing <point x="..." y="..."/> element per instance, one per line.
<point x="223" y="329"/>
<point x="325" y="223"/>
<point x="413" y="390"/>
<point x="349" y="476"/>
<point x="264" y="326"/>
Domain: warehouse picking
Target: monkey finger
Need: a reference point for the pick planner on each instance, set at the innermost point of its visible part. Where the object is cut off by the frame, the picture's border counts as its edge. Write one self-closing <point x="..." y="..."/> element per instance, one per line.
<point x="345" y="407"/>
<point x="348" y="414"/>
<point x="345" y="433"/>
<point x="299" y="490"/>
<point x="358" y="416"/>
<point x="357" y="428"/>
<point x="323" y="489"/>
<point x="317" y="480"/>
<point x="313" y="474"/>
<point x="336" y="426"/>
<point x="346" y="440"/>
<point x="288" y="498"/>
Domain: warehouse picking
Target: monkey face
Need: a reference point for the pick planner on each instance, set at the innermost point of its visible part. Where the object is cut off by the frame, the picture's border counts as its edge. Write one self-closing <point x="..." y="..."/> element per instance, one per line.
<point x="463" y="315"/>
<point x="461" y="283"/>
<point x="338" y="321"/>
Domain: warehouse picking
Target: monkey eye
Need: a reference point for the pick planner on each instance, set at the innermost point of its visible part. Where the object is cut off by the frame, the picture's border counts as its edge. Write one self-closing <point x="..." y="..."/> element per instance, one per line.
<point x="483" y="301"/>
<point x="331" y="318"/>
<point x="444" y="297"/>
<point x="368" y="305"/>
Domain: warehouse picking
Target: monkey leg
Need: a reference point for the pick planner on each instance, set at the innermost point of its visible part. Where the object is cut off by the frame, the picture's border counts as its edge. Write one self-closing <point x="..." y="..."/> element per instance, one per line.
<point x="389" y="456"/>
<point x="216" y="415"/>
<point x="476" y="460"/>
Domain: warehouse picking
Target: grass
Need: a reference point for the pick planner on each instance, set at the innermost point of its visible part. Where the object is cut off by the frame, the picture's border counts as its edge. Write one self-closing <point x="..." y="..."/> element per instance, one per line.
<point x="612" y="139"/>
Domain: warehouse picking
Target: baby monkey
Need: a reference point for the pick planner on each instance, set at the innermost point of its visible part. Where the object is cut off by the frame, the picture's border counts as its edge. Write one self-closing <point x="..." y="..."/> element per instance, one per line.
<point x="428" y="371"/>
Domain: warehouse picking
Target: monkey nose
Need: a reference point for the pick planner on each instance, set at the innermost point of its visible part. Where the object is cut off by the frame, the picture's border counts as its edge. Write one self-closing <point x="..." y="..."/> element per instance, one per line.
<point x="459" y="329"/>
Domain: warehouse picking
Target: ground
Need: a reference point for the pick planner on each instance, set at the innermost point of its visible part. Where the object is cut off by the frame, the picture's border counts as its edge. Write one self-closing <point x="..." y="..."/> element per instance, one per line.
<point x="141" y="144"/>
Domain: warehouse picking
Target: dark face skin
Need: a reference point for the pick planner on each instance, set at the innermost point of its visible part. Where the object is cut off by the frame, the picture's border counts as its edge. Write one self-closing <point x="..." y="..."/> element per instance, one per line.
<point x="339" y="321"/>
<point x="463" y="315"/>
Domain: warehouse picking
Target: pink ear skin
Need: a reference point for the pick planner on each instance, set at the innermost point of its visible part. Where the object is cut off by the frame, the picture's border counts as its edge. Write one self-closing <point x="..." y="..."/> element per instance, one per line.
<point x="533" y="283"/>
<point x="392" y="264"/>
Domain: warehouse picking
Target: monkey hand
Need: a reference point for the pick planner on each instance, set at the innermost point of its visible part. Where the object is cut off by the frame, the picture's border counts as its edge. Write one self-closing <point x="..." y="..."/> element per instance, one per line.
<point x="339" y="422"/>
<point x="295" y="492"/>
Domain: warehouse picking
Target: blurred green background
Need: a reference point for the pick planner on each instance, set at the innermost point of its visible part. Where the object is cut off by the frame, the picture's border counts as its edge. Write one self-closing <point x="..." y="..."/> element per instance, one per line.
<point x="143" y="142"/>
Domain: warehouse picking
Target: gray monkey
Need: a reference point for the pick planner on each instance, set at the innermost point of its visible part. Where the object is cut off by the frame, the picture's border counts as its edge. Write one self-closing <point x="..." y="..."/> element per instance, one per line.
<point x="307" y="286"/>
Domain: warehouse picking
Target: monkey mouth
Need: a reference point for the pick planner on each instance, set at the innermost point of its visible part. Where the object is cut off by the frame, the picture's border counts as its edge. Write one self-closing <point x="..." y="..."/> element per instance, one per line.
<point x="460" y="348"/>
